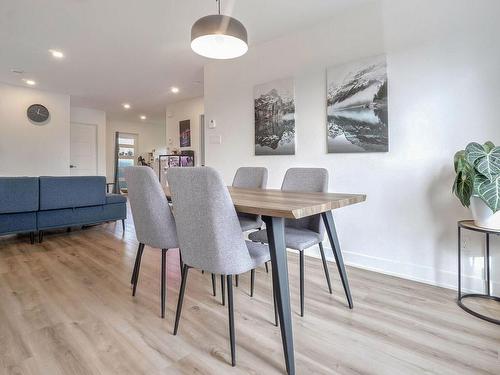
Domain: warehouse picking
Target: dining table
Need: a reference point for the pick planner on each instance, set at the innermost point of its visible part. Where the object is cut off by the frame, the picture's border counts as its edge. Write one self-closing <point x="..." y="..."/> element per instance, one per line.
<point x="275" y="206"/>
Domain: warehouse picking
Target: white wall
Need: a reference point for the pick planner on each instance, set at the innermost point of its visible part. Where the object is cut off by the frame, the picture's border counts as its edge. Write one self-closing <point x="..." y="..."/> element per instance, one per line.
<point x="151" y="136"/>
<point x="444" y="88"/>
<point x="189" y="109"/>
<point x="27" y="149"/>
<point x="98" y="118"/>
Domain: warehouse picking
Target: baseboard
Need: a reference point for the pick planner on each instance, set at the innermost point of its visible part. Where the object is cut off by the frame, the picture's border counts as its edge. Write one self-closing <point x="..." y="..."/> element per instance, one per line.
<point x="415" y="272"/>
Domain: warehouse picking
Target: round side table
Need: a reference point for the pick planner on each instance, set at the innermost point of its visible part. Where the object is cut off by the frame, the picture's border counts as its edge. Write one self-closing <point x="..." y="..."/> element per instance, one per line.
<point x="469" y="225"/>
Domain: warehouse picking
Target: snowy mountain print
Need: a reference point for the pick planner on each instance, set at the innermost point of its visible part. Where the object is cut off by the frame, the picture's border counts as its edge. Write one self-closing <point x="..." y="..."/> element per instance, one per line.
<point x="275" y="118"/>
<point x="357" y="117"/>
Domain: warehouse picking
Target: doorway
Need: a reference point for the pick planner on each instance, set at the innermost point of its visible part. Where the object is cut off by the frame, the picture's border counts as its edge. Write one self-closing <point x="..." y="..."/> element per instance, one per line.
<point x="83" y="149"/>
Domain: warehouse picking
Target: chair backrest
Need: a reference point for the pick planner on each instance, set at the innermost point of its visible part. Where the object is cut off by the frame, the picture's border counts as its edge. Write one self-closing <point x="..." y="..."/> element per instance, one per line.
<point x="250" y="178"/>
<point x="314" y="180"/>
<point x="153" y="219"/>
<point x="209" y="232"/>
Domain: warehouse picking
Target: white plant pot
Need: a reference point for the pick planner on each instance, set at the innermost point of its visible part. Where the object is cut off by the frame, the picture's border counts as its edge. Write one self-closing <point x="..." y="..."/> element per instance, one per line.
<point x="483" y="215"/>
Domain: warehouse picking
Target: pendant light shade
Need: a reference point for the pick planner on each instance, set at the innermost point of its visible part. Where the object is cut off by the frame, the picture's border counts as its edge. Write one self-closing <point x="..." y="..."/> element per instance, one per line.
<point x="219" y="37"/>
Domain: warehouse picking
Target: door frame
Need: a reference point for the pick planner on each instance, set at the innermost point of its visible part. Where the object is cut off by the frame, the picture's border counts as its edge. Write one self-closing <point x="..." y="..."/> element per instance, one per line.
<point x="96" y="143"/>
<point x="202" y="140"/>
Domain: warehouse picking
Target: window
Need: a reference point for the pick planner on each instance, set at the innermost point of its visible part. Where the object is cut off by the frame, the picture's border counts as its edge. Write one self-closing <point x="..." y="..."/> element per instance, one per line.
<point x="126" y="148"/>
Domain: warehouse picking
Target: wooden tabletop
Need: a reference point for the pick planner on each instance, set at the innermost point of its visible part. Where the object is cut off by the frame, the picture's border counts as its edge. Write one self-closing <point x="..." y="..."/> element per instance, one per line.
<point x="277" y="203"/>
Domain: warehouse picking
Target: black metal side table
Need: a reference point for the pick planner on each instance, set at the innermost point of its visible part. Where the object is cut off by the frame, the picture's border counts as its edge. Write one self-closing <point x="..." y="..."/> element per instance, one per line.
<point x="469" y="225"/>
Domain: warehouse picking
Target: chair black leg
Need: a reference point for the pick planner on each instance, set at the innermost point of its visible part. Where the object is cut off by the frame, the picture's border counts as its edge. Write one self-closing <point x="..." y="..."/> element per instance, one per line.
<point x="302" y="283"/>
<point x="163" y="281"/>
<point x="325" y="267"/>
<point x="134" y="273"/>
<point x="138" y="260"/>
<point x="68" y="229"/>
<point x="267" y="267"/>
<point x="231" y="319"/>
<point x="181" y="263"/>
<point x="32" y="237"/>
<point x="123" y="225"/>
<point x="223" y="290"/>
<point x="40" y="236"/>
<point x="202" y="272"/>
<point x="181" y="298"/>
<point x="252" y="282"/>
<point x="213" y="285"/>
<point x="236" y="280"/>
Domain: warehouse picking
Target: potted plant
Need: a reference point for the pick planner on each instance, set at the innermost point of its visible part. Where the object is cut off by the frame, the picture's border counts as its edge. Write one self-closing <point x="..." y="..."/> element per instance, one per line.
<point x="477" y="184"/>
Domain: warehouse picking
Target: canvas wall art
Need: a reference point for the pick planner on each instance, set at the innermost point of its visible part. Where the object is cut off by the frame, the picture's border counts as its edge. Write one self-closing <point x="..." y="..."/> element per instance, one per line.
<point x="357" y="117"/>
<point x="275" y="118"/>
<point x="185" y="133"/>
<point x="173" y="161"/>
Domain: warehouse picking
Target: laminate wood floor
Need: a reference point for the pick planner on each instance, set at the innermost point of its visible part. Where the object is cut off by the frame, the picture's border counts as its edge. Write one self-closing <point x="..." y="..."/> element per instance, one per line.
<point x="66" y="308"/>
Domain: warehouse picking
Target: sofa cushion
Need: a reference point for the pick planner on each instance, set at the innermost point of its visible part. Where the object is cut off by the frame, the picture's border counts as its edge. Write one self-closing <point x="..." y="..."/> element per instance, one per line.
<point x="71" y="192"/>
<point x="18" y="222"/>
<point x="115" y="198"/>
<point x="80" y="216"/>
<point x="18" y="194"/>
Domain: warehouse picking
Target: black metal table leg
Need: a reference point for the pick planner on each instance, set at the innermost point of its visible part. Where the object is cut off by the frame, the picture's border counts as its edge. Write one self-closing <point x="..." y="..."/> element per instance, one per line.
<point x="334" y="242"/>
<point x="487" y="264"/>
<point x="459" y="264"/>
<point x="275" y="227"/>
<point x="487" y="295"/>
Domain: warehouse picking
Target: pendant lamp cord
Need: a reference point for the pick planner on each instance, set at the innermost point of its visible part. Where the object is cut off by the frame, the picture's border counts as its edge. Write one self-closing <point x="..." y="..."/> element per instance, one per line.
<point x="218" y="4"/>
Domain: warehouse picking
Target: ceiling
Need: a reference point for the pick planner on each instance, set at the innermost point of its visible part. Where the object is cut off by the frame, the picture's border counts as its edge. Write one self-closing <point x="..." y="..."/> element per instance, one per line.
<point x="132" y="51"/>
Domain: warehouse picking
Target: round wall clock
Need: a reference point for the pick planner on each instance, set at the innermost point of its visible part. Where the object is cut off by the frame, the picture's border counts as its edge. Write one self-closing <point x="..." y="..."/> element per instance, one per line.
<point x="38" y="113"/>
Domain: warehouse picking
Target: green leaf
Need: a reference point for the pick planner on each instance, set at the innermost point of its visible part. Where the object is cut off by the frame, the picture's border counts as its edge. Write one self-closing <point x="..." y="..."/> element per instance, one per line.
<point x="474" y="151"/>
<point x="463" y="186"/>
<point x="488" y="146"/>
<point x="488" y="191"/>
<point x="459" y="160"/>
<point x="486" y="162"/>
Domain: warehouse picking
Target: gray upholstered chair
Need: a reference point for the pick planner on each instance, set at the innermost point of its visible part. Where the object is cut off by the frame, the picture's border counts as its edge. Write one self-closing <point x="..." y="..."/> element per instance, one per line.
<point x="209" y="233"/>
<point x="250" y="178"/>
<point x="304" y="233"/>
<point x="153" y="220"/>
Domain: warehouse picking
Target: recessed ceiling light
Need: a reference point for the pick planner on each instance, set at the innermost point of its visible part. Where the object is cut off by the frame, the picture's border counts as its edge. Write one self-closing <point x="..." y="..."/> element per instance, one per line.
<point x="142" y="117"/>
<point x="174" y="89"/>
<point x="29" y="82"/>
<point x="57" y="54"/>
<point x="126" y="105"/>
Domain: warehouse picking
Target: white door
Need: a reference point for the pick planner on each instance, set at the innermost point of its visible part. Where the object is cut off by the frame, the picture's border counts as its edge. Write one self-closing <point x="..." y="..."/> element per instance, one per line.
<point x="83" y="152"/>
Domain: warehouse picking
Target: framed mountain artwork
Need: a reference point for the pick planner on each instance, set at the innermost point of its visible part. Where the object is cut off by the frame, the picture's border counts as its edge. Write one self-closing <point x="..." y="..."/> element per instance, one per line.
<point x="274" y="104"/>
<point x="357" y="111"/>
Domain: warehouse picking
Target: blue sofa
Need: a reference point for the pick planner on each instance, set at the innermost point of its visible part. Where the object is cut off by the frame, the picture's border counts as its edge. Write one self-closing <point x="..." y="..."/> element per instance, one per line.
<point x="29" y="204"/>
<point x="19" y="202"/>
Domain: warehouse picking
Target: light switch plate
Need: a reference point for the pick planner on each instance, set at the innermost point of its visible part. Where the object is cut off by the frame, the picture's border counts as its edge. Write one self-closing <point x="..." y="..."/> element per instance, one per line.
<point x="215" y="139"/>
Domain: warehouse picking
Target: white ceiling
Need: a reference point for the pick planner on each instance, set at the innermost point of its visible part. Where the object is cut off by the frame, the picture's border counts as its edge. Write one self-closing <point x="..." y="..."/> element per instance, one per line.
<point x="130" y="50"/>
